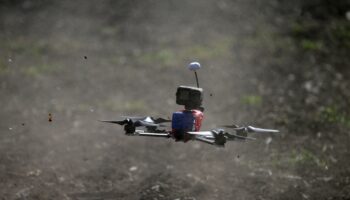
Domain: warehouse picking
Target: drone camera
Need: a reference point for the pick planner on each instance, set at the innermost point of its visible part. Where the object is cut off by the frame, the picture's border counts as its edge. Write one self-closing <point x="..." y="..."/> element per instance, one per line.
<point x="190" y="97"/>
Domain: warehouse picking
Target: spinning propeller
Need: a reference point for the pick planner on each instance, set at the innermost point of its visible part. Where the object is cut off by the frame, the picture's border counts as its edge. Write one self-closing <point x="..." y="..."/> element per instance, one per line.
<point x="250" y="129"/>
<point x="140" y="121"/>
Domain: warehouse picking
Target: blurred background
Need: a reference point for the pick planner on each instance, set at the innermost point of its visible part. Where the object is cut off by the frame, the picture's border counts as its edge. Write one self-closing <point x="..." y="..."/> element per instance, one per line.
<point x="64" y="65"/>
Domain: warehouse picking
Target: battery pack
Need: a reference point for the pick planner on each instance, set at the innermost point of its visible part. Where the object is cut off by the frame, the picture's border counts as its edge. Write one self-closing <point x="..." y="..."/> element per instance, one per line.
<point x="183" y="121"/>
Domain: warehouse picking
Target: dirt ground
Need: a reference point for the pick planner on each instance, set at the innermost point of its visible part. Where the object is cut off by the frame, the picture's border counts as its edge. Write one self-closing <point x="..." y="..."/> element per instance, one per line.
<point x="84" y="61"/>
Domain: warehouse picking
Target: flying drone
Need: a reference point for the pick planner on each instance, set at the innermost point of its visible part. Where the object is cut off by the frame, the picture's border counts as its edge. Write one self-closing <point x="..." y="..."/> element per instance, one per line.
<point x="186" y="123"/>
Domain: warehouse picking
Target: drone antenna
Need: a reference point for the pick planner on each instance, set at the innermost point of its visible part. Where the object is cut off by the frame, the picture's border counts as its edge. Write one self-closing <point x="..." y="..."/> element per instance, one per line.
<point x="193" y="66"/>
<point x="195" y="73"/>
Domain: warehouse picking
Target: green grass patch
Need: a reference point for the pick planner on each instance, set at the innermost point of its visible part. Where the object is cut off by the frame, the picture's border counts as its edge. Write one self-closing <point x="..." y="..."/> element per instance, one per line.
<point x="252" y="100"/>
<point x="164" y="57"/>
<point x="3" y="67"/>
<point x="340" y="32"/>
<point x="40" y="70"/>
<point x="332" y="114"/>
<point x="315" y="36"/>
<point x="311" y="45"/>
<point x="216" y="49"/>
<point x="305" y="28"/>
<point x="306" y="157"/>
<point x="168" y="56"/>
<point x="298" y="28"/>
<point x="135" y="106"/>
<point x="27" y="47"/>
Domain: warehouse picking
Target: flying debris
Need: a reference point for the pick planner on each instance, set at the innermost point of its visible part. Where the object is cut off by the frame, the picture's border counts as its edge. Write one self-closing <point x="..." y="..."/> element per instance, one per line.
<point x="50" y="117"/>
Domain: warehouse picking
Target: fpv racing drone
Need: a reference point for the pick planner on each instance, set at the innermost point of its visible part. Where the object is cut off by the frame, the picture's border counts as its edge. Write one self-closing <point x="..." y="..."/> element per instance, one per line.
<point x="186" y="123"/>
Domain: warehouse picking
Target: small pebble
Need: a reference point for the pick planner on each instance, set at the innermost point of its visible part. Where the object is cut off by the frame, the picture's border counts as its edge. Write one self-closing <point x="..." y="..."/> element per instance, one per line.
<point x="133" y="168"/>
<point x="347" y="15"/>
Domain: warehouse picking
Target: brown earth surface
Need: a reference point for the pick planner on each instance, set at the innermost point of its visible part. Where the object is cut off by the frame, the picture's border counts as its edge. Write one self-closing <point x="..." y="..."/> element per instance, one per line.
<point x="84" y="61"/>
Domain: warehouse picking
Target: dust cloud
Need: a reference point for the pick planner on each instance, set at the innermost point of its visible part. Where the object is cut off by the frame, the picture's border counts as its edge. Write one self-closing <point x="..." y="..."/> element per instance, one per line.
<point x="83" y="61"/>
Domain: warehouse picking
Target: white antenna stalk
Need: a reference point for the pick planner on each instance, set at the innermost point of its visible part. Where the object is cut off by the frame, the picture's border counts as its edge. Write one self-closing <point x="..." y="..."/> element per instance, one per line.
<point x="193" y="66"/>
